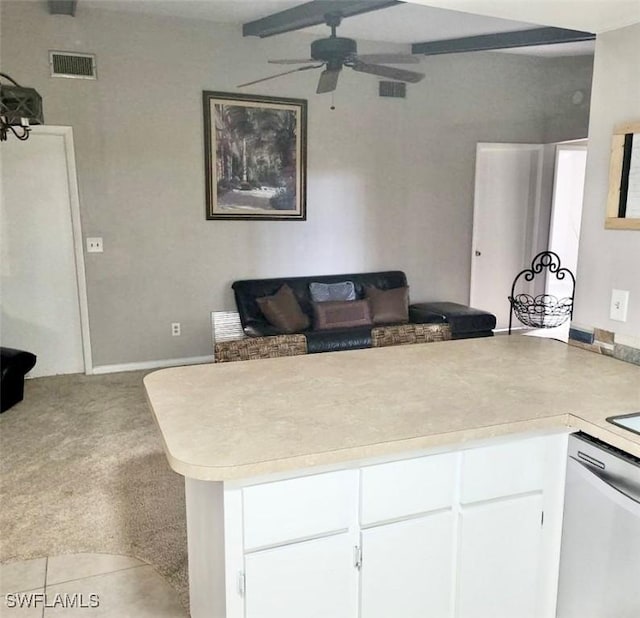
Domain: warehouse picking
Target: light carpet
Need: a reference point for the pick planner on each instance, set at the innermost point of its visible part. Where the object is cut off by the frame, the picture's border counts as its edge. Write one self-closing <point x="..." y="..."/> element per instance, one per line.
<point x="83" y="470"/>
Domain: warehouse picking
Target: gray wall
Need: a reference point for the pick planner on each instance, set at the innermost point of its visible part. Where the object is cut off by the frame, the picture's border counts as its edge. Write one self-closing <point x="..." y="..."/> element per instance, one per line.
<point x="609" y="258"/>
<point x="390" y="182"/>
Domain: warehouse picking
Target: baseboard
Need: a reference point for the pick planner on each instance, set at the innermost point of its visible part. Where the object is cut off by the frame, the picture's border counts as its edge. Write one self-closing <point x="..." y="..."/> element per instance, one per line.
<point x="158" y="364"/>
<point x="505" y="331"/>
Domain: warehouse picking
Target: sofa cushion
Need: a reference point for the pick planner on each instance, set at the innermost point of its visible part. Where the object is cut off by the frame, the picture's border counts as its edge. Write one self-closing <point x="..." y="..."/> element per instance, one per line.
<point x="341" y="314"/>
<point x="466" y="322"/>
<point x="388" y="306"/>
<point x="282" y="310"/>
<point x="323" y="292"/>
<point x="336" y="339"/>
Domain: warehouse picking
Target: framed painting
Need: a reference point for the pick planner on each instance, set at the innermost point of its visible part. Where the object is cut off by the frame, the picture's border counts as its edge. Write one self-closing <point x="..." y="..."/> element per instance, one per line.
<point x="255" y="157"/>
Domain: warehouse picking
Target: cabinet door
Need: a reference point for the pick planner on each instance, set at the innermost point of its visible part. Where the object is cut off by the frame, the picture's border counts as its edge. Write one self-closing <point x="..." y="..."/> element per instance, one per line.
<point x="312" y="579"/>
<point x="406" y="568"/>
<point x="499" y="558"/>
<point x="295" y="509"/>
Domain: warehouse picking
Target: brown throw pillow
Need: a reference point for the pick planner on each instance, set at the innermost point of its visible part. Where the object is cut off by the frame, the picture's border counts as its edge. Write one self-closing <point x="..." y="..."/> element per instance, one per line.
<point x="283" y="311"/>
<point x="388" y="306"/>
<point x="341" y="314"/>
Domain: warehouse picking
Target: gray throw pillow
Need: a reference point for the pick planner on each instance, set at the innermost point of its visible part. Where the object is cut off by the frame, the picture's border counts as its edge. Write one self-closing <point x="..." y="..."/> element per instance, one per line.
<point x="323" y="292"/>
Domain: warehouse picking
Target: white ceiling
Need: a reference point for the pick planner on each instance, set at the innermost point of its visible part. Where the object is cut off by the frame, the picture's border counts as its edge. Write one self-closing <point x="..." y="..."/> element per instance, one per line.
<point x="415" y="21"/>
<point x="226" y="11"/>
<point x="588" y="15"/>
<point x="411" y="23"/>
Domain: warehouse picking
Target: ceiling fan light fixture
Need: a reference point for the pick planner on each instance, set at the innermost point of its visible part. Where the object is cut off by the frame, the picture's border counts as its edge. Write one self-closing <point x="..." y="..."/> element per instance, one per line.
<point x="333" y="48"/>
<point x="334" y="52"/>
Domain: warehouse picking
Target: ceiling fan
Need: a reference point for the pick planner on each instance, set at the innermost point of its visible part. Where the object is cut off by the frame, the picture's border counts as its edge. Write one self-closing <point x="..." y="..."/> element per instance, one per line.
<point x="336" y="52"/>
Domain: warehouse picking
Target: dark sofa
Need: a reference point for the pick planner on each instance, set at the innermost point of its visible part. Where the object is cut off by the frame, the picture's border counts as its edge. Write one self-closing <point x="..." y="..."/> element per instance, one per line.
<point x="255" y="324"/>
<point x="15" y="365"/>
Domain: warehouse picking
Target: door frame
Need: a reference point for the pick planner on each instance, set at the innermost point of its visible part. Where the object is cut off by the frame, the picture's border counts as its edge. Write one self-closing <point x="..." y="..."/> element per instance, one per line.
<point x="76" y="228"/>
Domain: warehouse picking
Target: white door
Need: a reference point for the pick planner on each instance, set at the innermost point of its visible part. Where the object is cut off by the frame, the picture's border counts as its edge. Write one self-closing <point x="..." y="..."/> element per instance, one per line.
<point x="40" y="295"/>
<point x="564" y="231"/>
<point x="507" y="204"/>
<point x="499" y="560"/>
<point x="311" y="579"/>
<point x="407" y="568"/>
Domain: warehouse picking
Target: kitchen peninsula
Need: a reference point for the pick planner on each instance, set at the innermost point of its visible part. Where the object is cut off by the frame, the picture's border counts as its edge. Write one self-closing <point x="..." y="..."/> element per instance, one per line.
<point x="307" y="467"/>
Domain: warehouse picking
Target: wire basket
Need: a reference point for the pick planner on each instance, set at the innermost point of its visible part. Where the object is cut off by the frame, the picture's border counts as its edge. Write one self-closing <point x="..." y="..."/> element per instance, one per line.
<point x="542" y="311"/>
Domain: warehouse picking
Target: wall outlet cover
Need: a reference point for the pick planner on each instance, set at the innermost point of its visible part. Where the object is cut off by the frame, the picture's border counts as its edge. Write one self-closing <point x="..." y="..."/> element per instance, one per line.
<point x="619" y="305"/>
<point x="94" y="244"/>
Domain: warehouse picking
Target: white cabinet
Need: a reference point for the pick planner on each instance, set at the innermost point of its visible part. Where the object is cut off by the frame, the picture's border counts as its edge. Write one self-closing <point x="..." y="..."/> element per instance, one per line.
<point x="502" y="470"/>
<point x="499" y="559"/>
<point x="408" y="487"/>
<point x="311" y="579"/>
<point x="510" y="518"/>
<point x="407" y="568"/>
<point x="407" y="565"/>
<point x="297" y="509"/>
<point x="457" y="534"/>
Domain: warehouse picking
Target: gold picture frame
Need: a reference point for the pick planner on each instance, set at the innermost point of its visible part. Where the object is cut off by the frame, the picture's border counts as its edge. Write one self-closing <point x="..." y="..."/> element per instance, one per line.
<point x="624" y="176"/>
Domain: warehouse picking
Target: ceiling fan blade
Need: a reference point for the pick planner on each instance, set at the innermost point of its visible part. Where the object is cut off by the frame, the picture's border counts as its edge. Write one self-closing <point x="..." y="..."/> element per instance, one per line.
<point x="292" y="61"/>
<point x="264" y="79"/>
<point x="389" y="58"/>
<point x="389" y="72"/>
<point x="328" y="80"/>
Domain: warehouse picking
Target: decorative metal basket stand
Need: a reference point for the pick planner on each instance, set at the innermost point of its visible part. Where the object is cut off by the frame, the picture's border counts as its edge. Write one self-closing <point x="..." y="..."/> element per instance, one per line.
<point x="544" y="310"/>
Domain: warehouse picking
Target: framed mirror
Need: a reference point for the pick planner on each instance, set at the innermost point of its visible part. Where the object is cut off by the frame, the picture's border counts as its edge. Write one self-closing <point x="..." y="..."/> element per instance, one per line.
<point x="623" y="199"/>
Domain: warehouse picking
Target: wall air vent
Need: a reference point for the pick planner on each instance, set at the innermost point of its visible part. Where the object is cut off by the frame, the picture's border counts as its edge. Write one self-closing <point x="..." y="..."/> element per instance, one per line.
<point x="71" y="64"/>
<point x="397" y="90"/>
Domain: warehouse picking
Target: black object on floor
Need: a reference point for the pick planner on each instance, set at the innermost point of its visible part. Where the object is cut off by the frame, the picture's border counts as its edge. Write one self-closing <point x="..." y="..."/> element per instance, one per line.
<point x="15" y="364"/>
<point x="466" y="322"/>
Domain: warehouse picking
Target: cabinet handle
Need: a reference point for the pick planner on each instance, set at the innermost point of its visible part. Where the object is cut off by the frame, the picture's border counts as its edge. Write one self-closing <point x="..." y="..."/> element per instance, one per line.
<point x="357" y="557"/>
<point x="241" y="583"/>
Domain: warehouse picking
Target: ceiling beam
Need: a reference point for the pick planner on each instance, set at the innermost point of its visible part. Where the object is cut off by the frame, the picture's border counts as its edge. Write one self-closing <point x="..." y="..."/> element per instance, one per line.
<point x="310" y="14"/>
<point x="502" y="40"/>
<point x="63" y="7"/>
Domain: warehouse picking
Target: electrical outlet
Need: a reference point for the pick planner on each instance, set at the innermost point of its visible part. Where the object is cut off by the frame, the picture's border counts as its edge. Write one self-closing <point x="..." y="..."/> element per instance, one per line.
<point x="175" y="329"/>
<point x="94" y="245"/>
<point x="619" y="305"/>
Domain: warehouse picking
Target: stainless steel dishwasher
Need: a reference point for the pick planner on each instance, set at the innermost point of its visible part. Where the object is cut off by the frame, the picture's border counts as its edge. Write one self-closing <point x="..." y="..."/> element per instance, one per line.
<point x="600" y="553"/>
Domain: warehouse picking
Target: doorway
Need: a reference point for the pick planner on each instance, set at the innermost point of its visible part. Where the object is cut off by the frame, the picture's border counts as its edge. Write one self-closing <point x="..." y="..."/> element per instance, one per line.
<point x="528" y="198"/>
<point x="564" y="227"/>
<point x="44" y="301"/>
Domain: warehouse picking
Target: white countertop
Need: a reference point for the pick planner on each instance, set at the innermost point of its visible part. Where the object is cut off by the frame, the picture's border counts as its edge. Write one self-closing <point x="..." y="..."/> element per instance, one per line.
<point x="236" y="420"/>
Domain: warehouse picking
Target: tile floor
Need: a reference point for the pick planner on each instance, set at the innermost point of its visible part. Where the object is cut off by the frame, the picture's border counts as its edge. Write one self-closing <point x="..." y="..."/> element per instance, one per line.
<point x="100" y="586"/>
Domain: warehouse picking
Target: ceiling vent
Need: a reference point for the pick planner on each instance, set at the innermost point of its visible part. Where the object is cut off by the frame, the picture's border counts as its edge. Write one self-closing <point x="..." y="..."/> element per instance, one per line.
<point x="70" y="64"/>
<point x="396" y="90"/>
<point x="63" y="7"/>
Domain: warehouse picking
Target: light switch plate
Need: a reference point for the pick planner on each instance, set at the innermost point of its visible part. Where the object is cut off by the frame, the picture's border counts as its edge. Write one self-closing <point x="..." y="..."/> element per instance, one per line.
<point x="94" y="245"/>
<point x="619" y="305"/>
